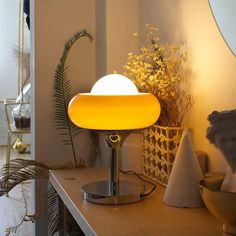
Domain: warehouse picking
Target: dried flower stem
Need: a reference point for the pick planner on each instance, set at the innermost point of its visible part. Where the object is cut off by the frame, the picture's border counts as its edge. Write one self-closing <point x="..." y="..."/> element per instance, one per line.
<point x="157" y="69"/>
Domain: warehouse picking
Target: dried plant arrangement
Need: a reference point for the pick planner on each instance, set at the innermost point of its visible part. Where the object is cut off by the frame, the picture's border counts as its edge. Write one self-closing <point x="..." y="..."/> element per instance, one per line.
<point x="23" y="58"/>
<point x="26" y="217"/>
<point x="20" y="170"/>
<point x="158" y="69"/>
<point x="62" y="96"/>
<point x="17" y="172"/>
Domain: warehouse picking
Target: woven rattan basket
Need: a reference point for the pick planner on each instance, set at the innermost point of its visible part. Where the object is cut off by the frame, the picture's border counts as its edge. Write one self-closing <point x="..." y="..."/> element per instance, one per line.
<point x="160" y="146"/>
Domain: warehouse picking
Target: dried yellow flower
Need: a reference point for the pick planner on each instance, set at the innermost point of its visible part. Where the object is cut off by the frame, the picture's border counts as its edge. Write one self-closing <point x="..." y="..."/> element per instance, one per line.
<point x="157" y="69"/>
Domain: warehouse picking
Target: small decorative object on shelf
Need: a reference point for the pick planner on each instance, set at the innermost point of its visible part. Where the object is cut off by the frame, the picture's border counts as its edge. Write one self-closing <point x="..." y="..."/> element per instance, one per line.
<point x="158" y="69"/>
<point x="20" y="146"/>
<point x="160" y="145"/>
<point x="183" y="185"/>
<point x="21" y="115"/>
<point x="219" y="193"/>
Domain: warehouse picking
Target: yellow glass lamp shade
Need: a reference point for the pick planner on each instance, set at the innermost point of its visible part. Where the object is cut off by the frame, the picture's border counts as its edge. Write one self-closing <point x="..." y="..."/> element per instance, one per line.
<point x="121" y="110"/>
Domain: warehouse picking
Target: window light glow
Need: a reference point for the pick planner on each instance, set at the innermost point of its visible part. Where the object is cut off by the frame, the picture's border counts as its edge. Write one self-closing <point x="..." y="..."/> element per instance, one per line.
<point x="114" y="84"/>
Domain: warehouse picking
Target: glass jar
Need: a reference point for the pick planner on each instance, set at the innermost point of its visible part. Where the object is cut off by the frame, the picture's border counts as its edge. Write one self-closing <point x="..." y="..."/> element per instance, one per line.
<point x="21" y="116"/>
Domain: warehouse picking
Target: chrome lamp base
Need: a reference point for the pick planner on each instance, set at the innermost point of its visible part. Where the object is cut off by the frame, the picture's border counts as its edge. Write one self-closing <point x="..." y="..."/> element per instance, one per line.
<point x="114" y="191"/>
<point x="100" y="192"/>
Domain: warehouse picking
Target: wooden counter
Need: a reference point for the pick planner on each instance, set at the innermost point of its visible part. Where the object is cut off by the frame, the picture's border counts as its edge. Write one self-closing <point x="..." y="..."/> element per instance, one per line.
<point x="149" y="217"/>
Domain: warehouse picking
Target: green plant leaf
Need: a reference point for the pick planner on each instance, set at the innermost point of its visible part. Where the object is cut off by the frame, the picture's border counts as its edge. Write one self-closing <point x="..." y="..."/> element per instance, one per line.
<point x="19" y="170"/>
<point x="55" y="210"/>
<point x="62" y="96"/>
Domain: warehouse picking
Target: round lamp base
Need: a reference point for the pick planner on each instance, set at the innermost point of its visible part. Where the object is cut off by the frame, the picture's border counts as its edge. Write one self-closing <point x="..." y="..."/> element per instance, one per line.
<point x="99" y="192"/>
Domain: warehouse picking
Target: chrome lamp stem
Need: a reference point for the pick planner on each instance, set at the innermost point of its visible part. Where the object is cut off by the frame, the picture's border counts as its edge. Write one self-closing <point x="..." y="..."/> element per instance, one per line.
<point x="114" y="191"/>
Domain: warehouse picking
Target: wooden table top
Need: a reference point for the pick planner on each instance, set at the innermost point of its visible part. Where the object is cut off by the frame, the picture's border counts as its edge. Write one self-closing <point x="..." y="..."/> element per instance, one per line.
<point x="148" y="217"/>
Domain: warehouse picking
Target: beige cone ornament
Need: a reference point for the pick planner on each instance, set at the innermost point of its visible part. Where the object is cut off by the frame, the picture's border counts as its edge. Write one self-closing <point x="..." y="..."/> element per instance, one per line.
<point x="183" y="185"/>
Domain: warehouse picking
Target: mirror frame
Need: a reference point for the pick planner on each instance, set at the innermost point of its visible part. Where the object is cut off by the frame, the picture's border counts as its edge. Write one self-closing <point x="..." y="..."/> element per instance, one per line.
<point x="234" y="53"/>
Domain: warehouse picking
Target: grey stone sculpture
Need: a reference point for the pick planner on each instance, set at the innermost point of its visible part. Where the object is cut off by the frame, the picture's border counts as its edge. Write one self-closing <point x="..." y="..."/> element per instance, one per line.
<point x="222" y="133"/>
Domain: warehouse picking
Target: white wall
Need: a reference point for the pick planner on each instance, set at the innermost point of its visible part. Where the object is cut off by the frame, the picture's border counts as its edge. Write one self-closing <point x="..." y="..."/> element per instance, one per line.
<point x="9" y="19"/>
<point x="211" y="65"/>
<point x="116" y="21"/>
<point x="122" y="23"/>
<point x="56" y="22"/>
<point x="8" y="40"/>
<point x="8" y="65"/>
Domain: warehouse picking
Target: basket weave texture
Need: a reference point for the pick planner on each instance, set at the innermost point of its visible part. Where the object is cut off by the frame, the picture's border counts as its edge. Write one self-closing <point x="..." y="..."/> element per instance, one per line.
<point x="160" y="145"/>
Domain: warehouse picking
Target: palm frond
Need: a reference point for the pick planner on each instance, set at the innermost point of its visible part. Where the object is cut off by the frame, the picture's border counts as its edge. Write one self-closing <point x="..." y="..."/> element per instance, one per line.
<point x="62" y="95"/>
<point x="55" y="210"/>
<point x="19" y="170"/>
<point x="26" y="217"/>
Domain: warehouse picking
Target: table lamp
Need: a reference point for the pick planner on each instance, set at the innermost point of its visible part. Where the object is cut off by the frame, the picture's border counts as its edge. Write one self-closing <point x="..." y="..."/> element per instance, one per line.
<point x="114" y="108"/>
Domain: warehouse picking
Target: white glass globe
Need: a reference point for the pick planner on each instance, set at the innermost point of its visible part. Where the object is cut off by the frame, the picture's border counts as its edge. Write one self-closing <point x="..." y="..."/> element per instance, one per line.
<point x="114" y="84"/>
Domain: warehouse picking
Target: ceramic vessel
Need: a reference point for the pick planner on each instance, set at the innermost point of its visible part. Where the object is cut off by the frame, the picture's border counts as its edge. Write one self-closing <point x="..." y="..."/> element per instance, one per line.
<point x="221" y="204"/>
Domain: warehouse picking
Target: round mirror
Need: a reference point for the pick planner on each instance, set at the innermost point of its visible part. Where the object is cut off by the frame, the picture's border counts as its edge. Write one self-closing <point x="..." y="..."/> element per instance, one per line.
<point x="224" y="13"/>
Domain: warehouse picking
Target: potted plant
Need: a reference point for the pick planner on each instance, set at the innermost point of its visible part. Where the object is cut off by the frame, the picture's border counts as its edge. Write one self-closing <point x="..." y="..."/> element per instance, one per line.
<point x="158" y="69"/>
